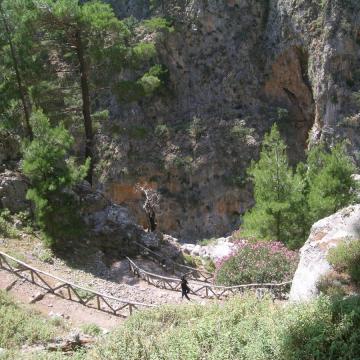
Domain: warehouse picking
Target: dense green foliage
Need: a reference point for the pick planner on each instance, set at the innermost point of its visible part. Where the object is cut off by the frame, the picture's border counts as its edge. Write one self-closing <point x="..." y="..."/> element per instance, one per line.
<point x="63" y="56"/>
<point x="346" y="258"/>
<point x="52" y="174"/>
<point x="272" y="191"/>
<point x="20" y="64"/>
<point x="242" y="328"/>
<point x="19" y="327"/>
<point x="329" y="181"/>
<point x="262" y="262"/>
<point x="288" y="202"/>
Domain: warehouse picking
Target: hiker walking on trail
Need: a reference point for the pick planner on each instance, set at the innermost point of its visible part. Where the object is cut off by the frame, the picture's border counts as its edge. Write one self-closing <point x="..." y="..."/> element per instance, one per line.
<point x="184" y="288"/>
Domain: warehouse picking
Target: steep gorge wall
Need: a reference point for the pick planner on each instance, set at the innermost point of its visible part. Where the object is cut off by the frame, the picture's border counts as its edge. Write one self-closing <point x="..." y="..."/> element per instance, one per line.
<point x="235" y="67"/>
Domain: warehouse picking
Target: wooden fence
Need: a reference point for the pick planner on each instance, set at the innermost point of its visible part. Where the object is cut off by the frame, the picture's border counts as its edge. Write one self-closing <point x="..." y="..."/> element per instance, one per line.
<point x="278" y="291"/>
<point x="68" y="290"/>
<point x="191" y="273"/>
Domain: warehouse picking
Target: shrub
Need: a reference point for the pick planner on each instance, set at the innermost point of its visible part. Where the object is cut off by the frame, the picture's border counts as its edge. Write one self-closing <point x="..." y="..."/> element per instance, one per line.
<point x="6" y="227"/>
<point x="192" y="261"/>
<point x="241" y="328"/>
<point x="196" y="128"/>
<point x="261" y="262"/>
<point x="333" y="284"/>
<point x="46" y="255"/>
<point x="240" y="130"/>
<point x="162" y="131"/>
<point x="19" y="327"/>
<point x="209" y="265"/>
<point x="346" y="258"/>
<point x="91" y="329"/>
<point x="158" y="24"/>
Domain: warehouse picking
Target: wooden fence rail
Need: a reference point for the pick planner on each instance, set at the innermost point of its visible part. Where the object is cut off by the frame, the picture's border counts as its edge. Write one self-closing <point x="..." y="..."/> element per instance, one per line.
<point x="191" y="273"/>
<point x="278" y="291"/>
<point x="72" y="292"/>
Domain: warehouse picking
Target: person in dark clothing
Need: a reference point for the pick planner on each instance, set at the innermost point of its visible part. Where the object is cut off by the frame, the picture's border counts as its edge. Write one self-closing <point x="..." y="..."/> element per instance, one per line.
<point x="184" y="288"/>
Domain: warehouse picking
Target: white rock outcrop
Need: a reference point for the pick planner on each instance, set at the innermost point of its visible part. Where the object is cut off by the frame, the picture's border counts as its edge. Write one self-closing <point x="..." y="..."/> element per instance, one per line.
<point x="325" y="234"/>
<point x="217" y="250"/>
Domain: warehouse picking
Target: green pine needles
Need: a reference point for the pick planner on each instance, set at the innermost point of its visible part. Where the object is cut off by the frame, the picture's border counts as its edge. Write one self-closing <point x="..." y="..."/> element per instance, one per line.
<point x="288" y="202"/>
<point x="52" y="173"/>
<point x="272" y="179"/>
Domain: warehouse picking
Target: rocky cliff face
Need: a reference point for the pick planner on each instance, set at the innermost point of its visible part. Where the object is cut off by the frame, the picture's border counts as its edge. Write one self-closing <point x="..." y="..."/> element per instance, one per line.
<point x="325" y="234"/>
<point x="235" y="67"/>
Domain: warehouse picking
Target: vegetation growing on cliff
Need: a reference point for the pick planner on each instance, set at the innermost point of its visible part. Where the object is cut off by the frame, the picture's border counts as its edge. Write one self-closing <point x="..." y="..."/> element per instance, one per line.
<point x="346" y="258"/>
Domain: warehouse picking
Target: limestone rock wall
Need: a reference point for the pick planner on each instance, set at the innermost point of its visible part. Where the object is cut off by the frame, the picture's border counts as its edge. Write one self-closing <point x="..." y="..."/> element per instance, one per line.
<point x="235" y="68"/>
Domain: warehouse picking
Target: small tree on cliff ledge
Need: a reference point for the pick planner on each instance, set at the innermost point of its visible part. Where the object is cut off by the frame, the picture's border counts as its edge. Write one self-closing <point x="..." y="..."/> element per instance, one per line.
<point x="273" y="184"/>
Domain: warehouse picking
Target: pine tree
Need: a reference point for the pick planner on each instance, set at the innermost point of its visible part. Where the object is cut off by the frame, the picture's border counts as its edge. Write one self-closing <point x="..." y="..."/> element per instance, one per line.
<point x="52" y="174"/>
<point x="287" y="203"/>
<point x="18" y="65"/>
<point x="26" y="81"/>
<point x="298" y="221"/>
<point x="94" y="47"/>
<point x="273" y="186"/>
<point x="330" y="182"/>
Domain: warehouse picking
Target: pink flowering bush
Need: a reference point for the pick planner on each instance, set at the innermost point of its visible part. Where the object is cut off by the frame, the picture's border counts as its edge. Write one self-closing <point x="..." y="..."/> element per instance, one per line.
<point x="261" y="262"/>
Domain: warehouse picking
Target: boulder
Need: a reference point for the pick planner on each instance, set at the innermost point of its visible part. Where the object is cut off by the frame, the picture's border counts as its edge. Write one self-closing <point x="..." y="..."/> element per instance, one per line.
<point x="13" y="188"/>
<point x="325" y="234"/>
<point x="151" y="239"/>
<point x="111" y="226"/>
<point x="217" y="250"/>
<point x="222" y="248"/>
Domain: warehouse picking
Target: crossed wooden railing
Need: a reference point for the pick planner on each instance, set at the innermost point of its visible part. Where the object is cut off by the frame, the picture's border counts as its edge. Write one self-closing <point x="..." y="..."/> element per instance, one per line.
<point x="86" y="297"/>
<point x="191" y="273"/>
<point x="278" y="291"/>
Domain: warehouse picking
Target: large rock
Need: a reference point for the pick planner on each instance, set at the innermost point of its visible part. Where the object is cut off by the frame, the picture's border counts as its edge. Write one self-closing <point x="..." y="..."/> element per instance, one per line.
<point x="111" y="226"/>
<point x="13" y="188"/>
<point x="325" y="234"/>
<point x="215" y="251"/>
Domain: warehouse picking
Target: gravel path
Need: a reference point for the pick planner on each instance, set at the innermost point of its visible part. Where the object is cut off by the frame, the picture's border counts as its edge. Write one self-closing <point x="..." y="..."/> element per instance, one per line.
<point x="116" y="280"/>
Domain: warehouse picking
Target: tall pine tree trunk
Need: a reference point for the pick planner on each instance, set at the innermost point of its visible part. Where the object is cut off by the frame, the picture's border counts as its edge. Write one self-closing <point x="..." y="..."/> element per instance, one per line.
<point x="22" y="91"/>
<point x="86" y="105"/>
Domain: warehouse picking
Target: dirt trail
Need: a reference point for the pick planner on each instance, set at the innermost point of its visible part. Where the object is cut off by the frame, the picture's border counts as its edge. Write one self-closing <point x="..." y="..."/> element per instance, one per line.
<point x="115" y="280"/>
<point x="74" y="313"/>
